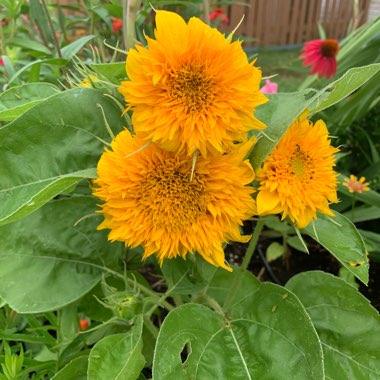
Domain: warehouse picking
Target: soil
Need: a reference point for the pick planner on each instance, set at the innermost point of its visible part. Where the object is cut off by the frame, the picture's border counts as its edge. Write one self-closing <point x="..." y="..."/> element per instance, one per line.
<point x="282" y="269"/>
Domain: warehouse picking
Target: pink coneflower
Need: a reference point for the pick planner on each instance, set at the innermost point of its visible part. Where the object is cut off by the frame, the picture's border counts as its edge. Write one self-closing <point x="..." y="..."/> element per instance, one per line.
<point x="116" y="24"/>
<point x="321" y="56"/>
<point x="218" y="13"/>
<point x="269" y="87"/>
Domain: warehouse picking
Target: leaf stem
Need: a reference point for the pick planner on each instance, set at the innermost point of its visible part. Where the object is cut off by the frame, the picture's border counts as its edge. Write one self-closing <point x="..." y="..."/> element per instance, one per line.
<point x="54" y="35"/>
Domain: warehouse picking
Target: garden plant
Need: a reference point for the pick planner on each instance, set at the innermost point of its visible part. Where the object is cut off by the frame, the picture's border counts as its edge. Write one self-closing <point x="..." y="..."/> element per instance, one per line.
<point x="157" y="190"/>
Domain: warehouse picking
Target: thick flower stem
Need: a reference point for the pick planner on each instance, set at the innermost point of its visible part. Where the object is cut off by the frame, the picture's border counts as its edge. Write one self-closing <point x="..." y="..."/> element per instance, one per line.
<point x="252" y="244"/>
<point x="130" y="9"/>
<point x="247" y="258"/>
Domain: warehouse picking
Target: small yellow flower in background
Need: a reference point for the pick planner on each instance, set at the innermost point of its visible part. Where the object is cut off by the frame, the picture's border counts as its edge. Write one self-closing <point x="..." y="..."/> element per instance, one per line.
<point x="355" y="185"/>
<point x="156" y="199"/>
<point x="298" y="179"/>
<point x="191" y="88"/>
<point x="88" y="82"/>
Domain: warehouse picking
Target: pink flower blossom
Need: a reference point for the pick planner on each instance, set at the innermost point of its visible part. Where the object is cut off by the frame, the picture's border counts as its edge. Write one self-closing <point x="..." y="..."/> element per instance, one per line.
<point x="269" y="87"/>
<point x="321" y="56"/>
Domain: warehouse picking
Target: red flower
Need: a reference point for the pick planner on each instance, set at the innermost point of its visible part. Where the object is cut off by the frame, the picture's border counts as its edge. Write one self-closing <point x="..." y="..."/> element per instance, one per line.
<point x="216" y="14"/>
<point x="1" y="62"/>
<point x="117" y="23"/>
<point x="321" y="56"/>
<point x="83" y="323"/>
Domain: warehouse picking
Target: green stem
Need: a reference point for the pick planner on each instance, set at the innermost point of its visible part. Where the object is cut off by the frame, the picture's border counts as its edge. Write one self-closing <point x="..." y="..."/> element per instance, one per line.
<point x="142" y="288"/>
<point x="252" y="244"/>
<point x="206" y="11"/>
<point x="130" y="9"/>
<point x="353" y="207"/>
<point x="247" y="258"/>
<point x="151" y="327"/>
<point x="50" y="23"/>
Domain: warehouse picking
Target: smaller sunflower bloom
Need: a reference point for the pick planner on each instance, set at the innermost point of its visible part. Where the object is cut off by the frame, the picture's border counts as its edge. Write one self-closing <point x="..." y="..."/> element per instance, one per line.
<point x="117" y="24"/>
<point x="356" y="185"/>
<point x="321" y="56"/>
<point x="156" y="199"/>
<point x="218" y="15"/>
<point x="298" y="179"/>
<point x="269" y="87"/>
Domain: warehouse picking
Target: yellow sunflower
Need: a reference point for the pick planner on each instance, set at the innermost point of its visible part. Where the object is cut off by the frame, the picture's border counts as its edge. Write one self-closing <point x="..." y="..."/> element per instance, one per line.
<point x="191" y="88"/>
<point x="156" y="199"/>
<point x="298" y="179"/>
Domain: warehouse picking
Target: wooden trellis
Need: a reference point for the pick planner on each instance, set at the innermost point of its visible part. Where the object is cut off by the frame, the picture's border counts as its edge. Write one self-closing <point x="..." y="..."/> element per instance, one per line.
<point x="292" y="22"/>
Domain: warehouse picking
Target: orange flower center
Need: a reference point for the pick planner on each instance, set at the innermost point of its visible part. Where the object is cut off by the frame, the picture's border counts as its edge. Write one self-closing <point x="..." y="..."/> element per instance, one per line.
<point x="170" y="198"/>
<point x="192" y="88"/>
<point x="301" y="164"/>
<point x="329" y="48"/>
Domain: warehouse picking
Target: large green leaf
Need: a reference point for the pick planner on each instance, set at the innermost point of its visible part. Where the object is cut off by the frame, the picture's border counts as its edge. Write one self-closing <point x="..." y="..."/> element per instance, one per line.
<point x="51" y="147"/>
<point x="278" y="114"/>
<point x="18" y="100"/>
<point x="344" y="86"/>
<point x="341" y="238"/>
<point x="348" y="326"/>
<point x="48" y="260"/>
<point x="266" y="334"/>
<point x="76" y="369"/>
<point x="118" y="357"/>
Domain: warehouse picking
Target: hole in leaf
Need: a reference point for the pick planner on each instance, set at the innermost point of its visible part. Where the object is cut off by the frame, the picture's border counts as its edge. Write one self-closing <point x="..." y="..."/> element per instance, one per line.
<point x="185" y="353"/>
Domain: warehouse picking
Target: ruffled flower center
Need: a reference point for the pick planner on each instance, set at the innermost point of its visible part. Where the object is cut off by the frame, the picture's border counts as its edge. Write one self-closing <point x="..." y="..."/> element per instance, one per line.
<point x="171" y="198"/>
<point x="192" y="88"/>
<point x="301" y="164"/>
<point x="329" y="48"/>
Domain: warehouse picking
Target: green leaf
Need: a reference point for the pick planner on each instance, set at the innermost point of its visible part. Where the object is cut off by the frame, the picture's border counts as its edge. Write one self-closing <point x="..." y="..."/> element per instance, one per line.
<point x="344" y="86"/>
<point x="267" y="334"/>
<point x="182" y="276"/>
<point x="363" y="213"/>
<point x="341" y="238"/>
<point x="70" y="50"/>
<point x="274" y="251"/>
<point x="348" y="326"/>
<point x="48" y="260"/>
<point x="371" y="240"/>
<point x="278" y="114"/>
<point x="118" y="357"/>
<point x="30" y="45"/>
<point x="76" y="369"/>
<point x="39" y="62"/>
<point x="115" y="72"/>
<point x="47" y="150"/>
<point x="19" y="99"/>
<point x="296" y="243"/>
<point x="370" y="197"/>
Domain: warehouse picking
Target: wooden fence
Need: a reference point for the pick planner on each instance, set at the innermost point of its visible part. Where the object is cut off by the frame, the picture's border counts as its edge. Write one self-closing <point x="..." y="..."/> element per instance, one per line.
<point x="292" y="22"/>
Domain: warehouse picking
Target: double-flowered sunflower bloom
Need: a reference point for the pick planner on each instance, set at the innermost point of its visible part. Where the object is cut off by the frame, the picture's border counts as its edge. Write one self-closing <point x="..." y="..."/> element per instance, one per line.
<point x="161" y="201"/>
<point x="298" y="179"/>
<point x="191" y="88"/>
